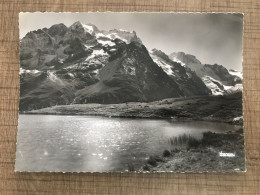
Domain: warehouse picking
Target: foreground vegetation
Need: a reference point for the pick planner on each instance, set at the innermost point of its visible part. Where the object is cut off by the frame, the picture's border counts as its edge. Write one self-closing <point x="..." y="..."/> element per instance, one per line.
<point x="188" y="154"/>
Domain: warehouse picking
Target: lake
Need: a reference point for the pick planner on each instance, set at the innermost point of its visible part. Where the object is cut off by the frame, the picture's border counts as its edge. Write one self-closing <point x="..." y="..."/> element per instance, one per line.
<point x="97" y="144"/>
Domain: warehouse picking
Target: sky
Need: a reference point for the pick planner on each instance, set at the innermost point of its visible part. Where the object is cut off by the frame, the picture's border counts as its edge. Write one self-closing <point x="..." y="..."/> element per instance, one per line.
<point x="212" y="38"/>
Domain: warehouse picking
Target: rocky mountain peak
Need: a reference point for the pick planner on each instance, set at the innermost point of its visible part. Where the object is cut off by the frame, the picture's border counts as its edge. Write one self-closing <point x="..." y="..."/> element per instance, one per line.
<point x="216" y="77"/>
<point x="160" y="54"/>
<point x="124" y="35"/>
<point x="80" y="27"/>
<point x="57" y="29"/>
<point x="185" y="58"/>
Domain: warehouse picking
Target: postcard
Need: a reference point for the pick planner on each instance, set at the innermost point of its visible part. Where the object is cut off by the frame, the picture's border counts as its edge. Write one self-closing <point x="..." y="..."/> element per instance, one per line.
<point x="130" y="92"/>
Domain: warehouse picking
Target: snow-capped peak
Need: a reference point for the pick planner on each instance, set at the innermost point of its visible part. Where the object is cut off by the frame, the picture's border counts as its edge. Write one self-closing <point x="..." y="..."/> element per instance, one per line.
<point x="105" y="35"/>
<point x="183" y="58"/>
<point x="89" y="28"/>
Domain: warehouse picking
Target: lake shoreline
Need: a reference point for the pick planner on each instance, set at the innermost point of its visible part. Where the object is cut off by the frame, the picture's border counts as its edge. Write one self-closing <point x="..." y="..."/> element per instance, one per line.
<point x="172" y="119"/>
<point x="227" y="109"/>
<point x="199" y="158"/>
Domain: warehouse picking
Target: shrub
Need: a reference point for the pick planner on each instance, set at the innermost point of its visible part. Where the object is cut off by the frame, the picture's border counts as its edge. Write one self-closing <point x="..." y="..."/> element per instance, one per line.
<point x="166" y="153"/>
<point x="152" y="161"/>
<point x="146" y="168"/>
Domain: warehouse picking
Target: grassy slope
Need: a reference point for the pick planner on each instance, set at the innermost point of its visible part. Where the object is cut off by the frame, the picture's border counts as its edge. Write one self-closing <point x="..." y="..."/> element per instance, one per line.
<point x="213" y="108"/>
<point x="203" y="155"/>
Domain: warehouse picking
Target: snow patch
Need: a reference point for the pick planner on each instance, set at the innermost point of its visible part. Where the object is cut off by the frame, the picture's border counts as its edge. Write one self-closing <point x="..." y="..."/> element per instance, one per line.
<point x="227" y="87"/>
<point x="52" y="76"/>
<point x="22" y="71"/>
<point x="238" y="118"/>
<point x="178" y="61"/>
<point x="166" y="67"/>
<point x="99" y="35"/>
<point x="234" y="89"/>
<point x="96" y="71"/>
<point x="114" y="36"/>
<point x="236" y="73"/>
<point x="88" y="28"/>
<point x="61" y="60"/>
<point x="111" y="36"/>
<point x="96" y="53"/>
<point x="106" y="42"/>
<point x="214" y="86"/>
<point x="71" y="75"/>
<point x="211" y="84"/>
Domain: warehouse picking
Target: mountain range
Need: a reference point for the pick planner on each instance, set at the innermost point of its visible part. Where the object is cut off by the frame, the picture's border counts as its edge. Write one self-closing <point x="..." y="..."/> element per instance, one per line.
<point x="81" y="64"/>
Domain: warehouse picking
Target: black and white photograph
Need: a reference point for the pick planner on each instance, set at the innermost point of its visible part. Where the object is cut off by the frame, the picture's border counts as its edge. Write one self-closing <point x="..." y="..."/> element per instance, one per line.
<point x="130" y="92"/>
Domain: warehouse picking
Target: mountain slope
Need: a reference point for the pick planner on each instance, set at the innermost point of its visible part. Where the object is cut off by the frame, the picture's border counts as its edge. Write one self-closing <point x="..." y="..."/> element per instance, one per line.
<point x="80" y="63"/>
<point x="131" y="75"/>
<point x="216" y="77"/>
<point x="187" y="80"/>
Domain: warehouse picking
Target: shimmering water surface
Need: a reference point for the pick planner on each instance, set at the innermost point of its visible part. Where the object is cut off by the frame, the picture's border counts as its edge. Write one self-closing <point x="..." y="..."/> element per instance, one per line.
<point x="97" y="144"/>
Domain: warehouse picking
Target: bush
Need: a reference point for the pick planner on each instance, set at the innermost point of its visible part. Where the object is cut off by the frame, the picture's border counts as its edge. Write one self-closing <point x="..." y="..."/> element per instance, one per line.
<point x="166" y="153"/>
<point x="152" y="161"/>
<point x="146" y="168"/>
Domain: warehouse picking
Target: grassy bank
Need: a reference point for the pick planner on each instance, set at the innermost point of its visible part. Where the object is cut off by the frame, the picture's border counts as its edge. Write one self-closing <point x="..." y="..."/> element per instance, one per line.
<point x="213" y="108"/>
<point x="188" y="154"/>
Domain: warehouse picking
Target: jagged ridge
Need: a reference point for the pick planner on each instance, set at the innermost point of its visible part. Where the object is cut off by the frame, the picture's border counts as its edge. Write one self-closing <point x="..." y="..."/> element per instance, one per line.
<point x="81" y="64"/>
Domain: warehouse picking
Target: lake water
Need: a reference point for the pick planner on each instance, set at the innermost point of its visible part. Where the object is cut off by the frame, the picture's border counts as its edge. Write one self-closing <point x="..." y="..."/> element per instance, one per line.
<point x="97" y="144"/>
